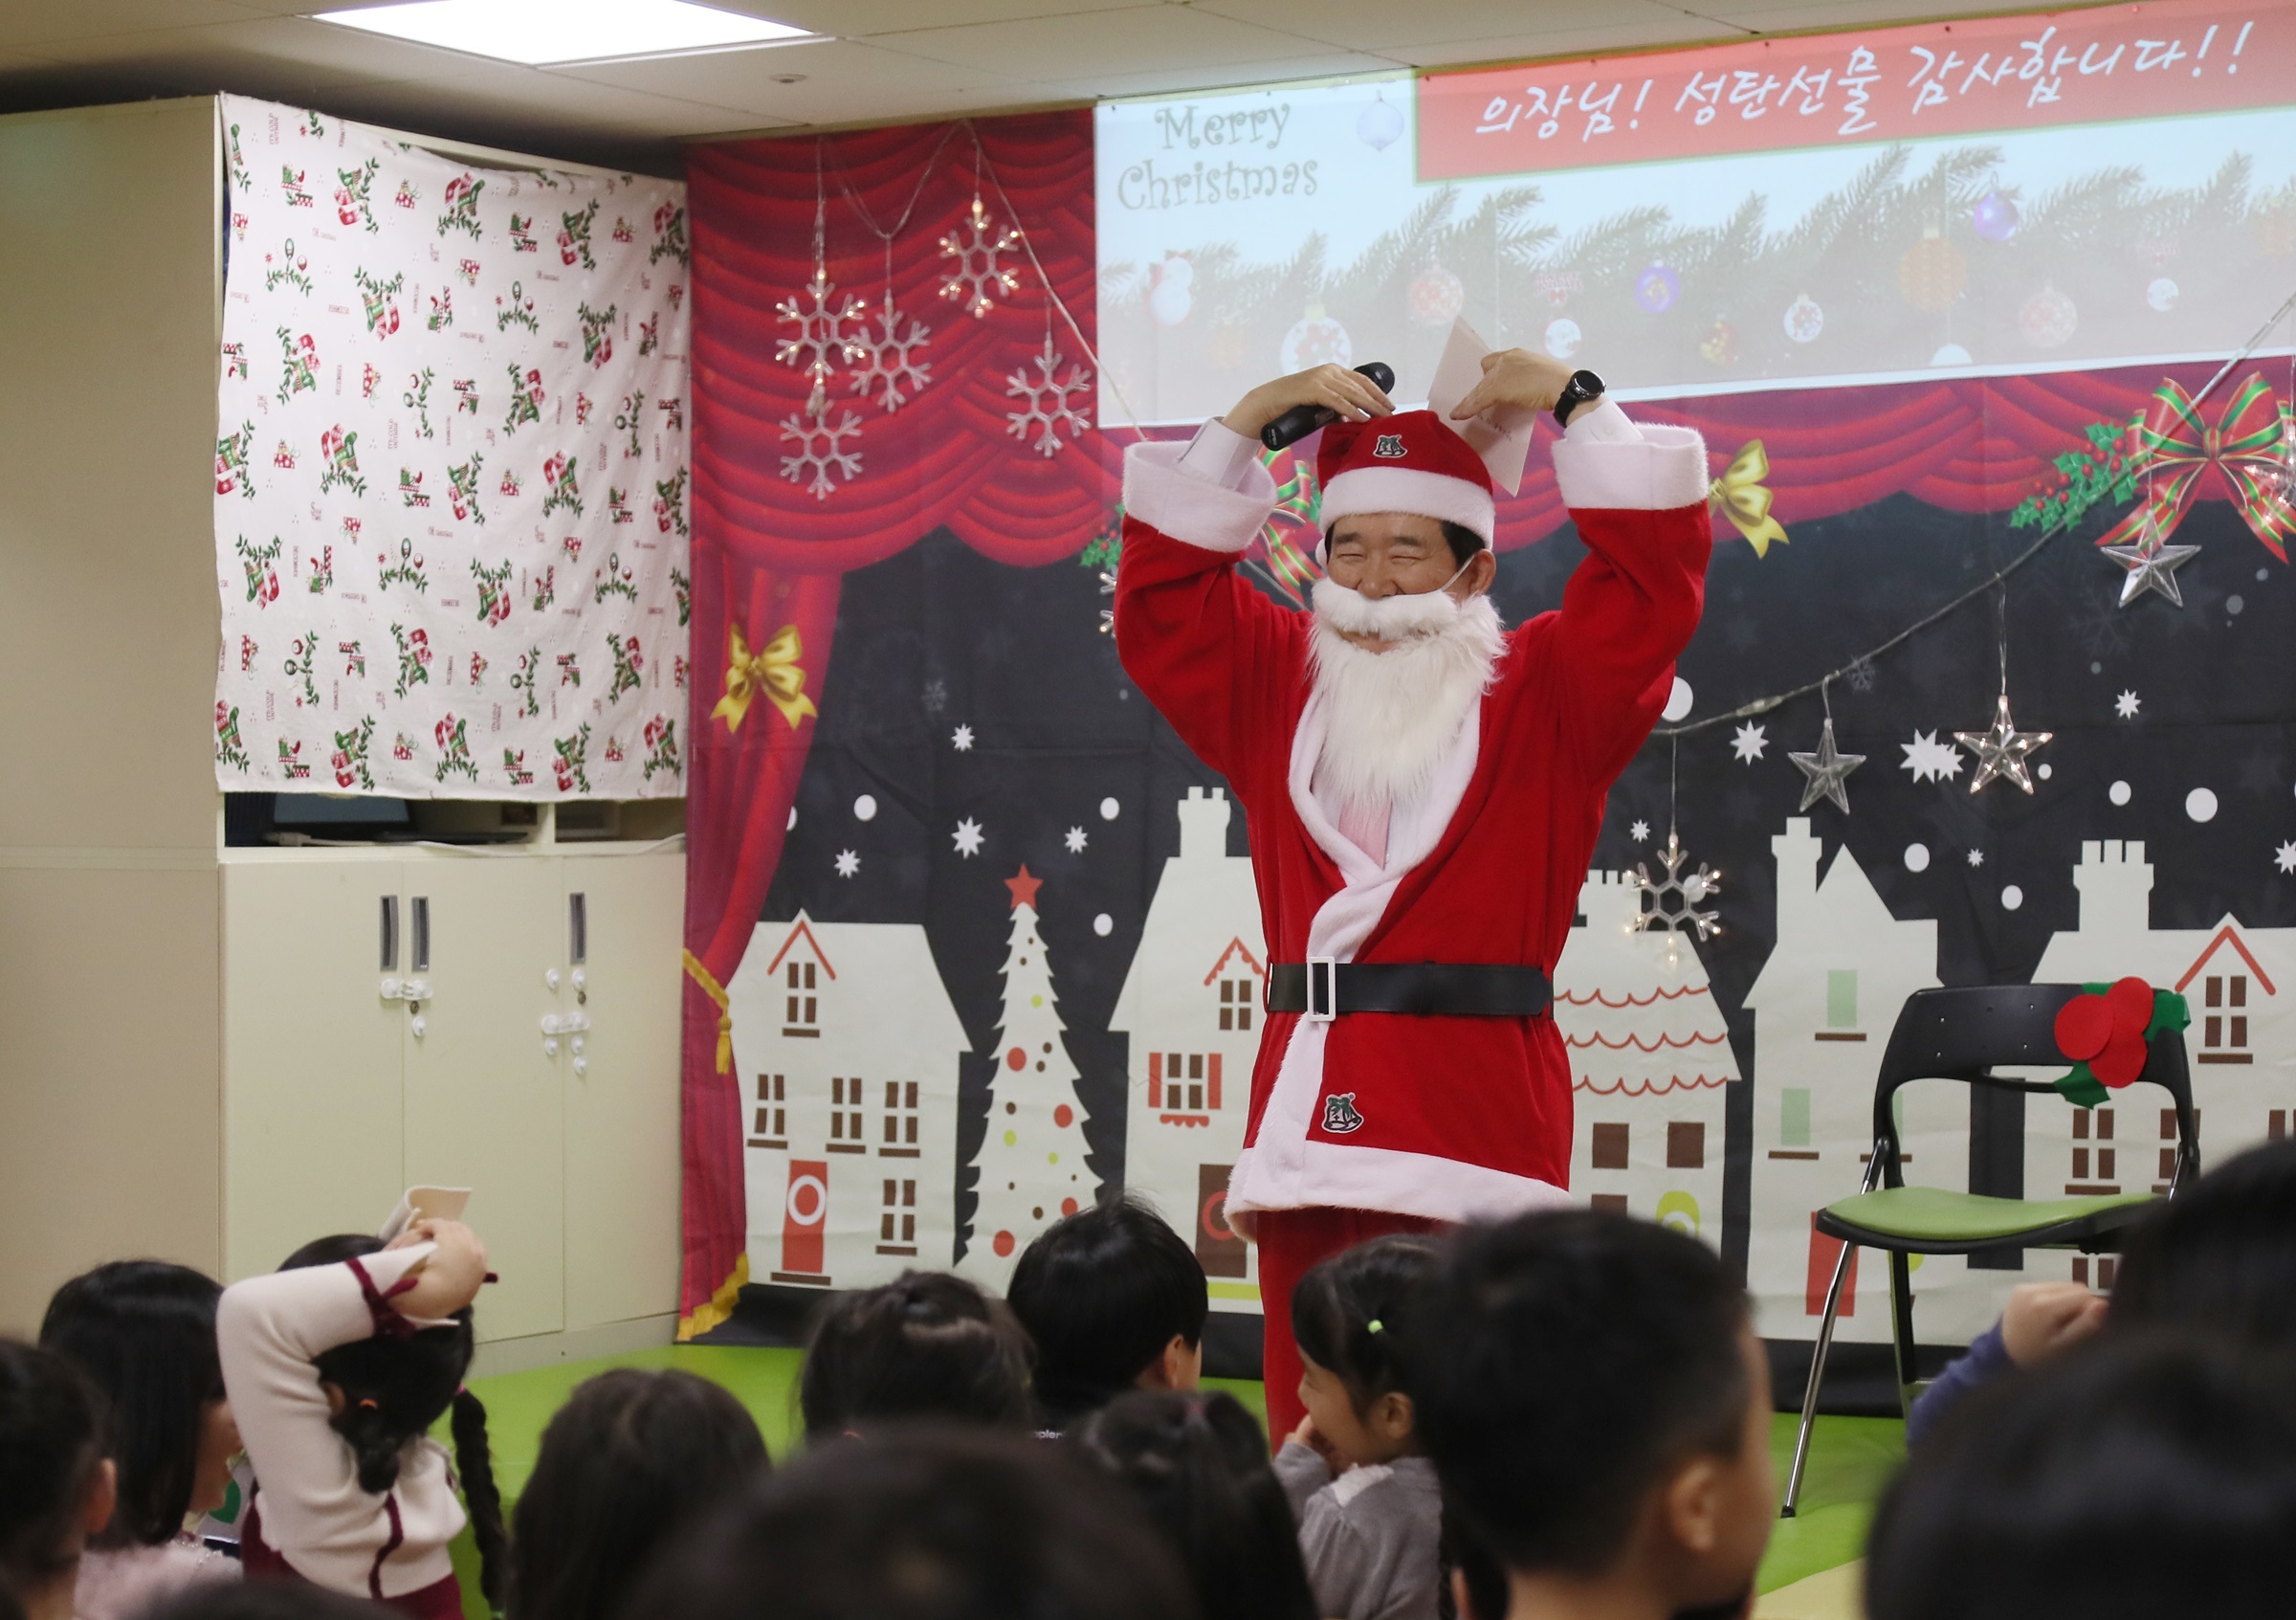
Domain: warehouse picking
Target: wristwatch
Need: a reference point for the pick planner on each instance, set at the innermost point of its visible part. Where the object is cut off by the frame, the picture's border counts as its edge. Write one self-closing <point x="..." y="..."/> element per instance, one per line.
<point x="1584" y="389"/>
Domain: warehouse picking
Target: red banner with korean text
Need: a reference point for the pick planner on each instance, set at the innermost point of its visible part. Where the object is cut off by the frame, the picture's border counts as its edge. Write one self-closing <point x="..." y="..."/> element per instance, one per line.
<point x="1982" y="73"/>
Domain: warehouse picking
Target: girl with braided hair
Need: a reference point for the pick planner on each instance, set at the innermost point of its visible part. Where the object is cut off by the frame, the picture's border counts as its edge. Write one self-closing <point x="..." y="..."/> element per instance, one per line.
<point x="337" y="1365"/>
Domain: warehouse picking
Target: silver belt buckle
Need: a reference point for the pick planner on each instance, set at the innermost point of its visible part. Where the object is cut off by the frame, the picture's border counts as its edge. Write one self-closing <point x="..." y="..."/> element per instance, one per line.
<point x="1329" y="964"/>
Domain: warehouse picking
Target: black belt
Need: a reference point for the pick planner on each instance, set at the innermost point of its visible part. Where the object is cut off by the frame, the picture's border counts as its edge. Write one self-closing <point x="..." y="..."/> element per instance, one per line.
<point x="1450" y="989"/>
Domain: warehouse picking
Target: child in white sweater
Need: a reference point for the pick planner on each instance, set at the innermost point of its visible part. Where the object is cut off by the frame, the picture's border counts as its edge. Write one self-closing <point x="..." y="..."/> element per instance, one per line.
<point x="337" y="1367"/>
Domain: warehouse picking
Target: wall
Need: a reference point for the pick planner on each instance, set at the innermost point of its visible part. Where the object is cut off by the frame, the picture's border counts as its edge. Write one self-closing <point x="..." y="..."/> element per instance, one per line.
<point x="108" y="243"/>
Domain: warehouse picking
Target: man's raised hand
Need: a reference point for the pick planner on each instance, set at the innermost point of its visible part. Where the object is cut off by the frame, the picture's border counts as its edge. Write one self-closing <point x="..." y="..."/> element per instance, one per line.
<point x="1350" y="394"/>
<point x="1516" y="382"/>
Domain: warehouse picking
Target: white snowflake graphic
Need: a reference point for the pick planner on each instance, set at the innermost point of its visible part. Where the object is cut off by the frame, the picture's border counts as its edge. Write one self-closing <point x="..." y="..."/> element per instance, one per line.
<point x="1638" y="832"/>
<point x="967" y="837"/>
<point x="1048" y="409"/>
<point x="821" y="451"/>
<point x="1976" y="858"/>
<point x="2284" y="857"/>
<point x="821" y="340"/>
<point x="887" y="360"/>
<point x="848" y="863"/>
<point x="1075" y="840"/>
<point x="1930" y="760"/>
<point x="1861" y="675"/>
<point x="976" y="245"/>
<point x="1748" y="743"/>
<point x="962" y="738"/>
<point x="2126" y="705"/>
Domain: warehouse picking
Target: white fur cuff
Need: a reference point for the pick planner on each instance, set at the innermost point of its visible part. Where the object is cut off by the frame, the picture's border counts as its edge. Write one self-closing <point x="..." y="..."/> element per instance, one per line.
<point x="1362" y="490"/>
<point x="1667" y="470"/>
<point x="1169" y="500"/>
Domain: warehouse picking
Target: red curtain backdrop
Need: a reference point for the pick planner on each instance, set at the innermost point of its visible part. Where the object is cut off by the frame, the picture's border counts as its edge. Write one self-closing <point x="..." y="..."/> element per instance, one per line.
<point x="769" y="551"/>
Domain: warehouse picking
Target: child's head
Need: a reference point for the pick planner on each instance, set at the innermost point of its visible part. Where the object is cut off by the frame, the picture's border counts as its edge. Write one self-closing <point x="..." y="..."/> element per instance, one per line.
<point x="923" y="1525"/>
<point x="386" y="1391"/>
<point x="1198" y="1462"/>
<point x="926" y="1346"/>
<point x="2220" y="1256"/>
<point x="1595" y="1402"/>
<point x="2143" y="1475"/>
<point x="1114" y="1299"/>
<point x="1349" y="1316"/>
<point x="55" y="1483"/>
<point x="629" y="1461"/>
<point x="143" y="1331"/>
<point x="260" y="1600"/>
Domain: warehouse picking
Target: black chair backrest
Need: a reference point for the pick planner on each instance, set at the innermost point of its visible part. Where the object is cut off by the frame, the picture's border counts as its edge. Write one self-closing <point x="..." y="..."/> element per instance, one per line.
<point x="1963" y="1032"/>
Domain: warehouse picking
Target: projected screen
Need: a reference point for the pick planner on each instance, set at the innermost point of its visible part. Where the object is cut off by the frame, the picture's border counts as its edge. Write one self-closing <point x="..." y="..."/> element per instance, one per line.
<point x="2080" y="189"/>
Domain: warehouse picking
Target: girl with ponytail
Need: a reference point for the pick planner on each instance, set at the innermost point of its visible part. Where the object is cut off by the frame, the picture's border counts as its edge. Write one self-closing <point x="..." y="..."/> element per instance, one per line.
<point x="337" y="1365"/>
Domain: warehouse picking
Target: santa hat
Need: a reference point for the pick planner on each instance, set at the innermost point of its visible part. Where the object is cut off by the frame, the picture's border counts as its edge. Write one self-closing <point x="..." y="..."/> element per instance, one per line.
<point x="1413" y="461"/>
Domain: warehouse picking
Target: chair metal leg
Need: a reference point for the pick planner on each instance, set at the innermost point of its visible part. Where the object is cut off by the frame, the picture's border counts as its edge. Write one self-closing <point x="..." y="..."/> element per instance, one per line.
<point x="1809" y="1396"/>
<point x="1901" y="1324"/>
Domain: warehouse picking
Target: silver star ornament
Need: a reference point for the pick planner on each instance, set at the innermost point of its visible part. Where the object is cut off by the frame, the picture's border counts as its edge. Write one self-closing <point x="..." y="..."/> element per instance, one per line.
<point x="1826" y="771"/>
<point x="2001" y="751"/>
<point x="2151" y="564"/>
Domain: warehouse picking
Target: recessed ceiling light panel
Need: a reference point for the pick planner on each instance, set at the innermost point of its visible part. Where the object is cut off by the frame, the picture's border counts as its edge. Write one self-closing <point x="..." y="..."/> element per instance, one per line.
<point x="543" y="32"/>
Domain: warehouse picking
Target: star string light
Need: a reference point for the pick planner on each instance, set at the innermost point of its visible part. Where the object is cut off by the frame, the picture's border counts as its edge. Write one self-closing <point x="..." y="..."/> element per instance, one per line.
<point x="2001" y="749"/>
<point x="1826" y="770"/>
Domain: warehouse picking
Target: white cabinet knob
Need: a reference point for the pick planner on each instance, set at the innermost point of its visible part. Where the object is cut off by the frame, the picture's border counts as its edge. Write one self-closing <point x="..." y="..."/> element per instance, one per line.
<point x="577" y="1045"/>
<point x="417" y="1025"/>
<point x="549" y="1046"/>
<point x="581" y="1065"/>
<point x="390" y="990"/>
<point x="581" y="979"/>
<point x="550" y="977"/>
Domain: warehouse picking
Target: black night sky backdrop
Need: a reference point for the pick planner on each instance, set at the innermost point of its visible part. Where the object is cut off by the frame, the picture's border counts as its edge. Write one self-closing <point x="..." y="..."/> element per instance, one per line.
<point x="940" y="638"/>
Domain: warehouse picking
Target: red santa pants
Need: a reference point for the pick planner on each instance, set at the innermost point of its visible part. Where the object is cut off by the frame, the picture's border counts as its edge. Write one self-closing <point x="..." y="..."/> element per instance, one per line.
<point x="1290" y="1242"/>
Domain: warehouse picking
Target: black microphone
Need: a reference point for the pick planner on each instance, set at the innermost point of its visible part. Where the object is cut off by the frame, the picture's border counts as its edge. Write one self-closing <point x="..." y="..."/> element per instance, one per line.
<point x="1301" y="420"/>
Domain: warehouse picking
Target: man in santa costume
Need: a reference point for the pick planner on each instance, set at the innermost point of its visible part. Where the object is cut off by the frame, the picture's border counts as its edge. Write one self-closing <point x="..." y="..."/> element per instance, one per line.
<point x="1423" y="787"/>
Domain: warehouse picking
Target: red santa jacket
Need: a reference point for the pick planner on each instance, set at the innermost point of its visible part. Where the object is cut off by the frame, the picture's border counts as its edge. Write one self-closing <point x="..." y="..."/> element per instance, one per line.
<point x="1450" y="1119"/>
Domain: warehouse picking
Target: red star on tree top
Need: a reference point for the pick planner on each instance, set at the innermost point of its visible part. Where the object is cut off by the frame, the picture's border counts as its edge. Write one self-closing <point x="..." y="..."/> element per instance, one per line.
<point x="1024" y="888"/>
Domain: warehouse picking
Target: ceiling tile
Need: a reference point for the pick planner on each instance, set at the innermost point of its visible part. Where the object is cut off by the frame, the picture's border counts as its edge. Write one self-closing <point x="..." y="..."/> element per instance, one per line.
<point x="217" y="55"/>
<point x="1577" y="42"/>
<point x="1179" y="81"/>
<point x="1777" y="15"/>
<point x="1383" y="24"/>
<point x="1138" y="39"/>
<point x="513" y="106"/>
<point x="859" y="19"/>
<point x="53" y="23"/>
<point x="844" y="82"/>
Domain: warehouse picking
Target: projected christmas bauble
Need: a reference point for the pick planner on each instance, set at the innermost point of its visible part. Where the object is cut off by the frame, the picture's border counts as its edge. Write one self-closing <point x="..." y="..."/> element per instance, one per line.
<point x="1562" y="336"/>
<point x="1932" y="274"/>
<point x="2161" y="294"/>
<point x="1436" y="298"/>
<point x="1379" y="124"/>
<point x="2048" y="319"/>
<point x="1315" y="339"/>
<point x="1804" y="320"/>
<point x="1720" y="344"/>
<point x="1170" y="301"/>
<point x="1994" y="218"/>
<point x="1657" y="288"/>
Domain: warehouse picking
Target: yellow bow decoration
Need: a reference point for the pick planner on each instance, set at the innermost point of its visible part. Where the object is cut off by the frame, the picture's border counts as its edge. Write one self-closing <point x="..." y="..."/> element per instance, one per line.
<point x="1745" y="500"/>
<point x="773" y="670"/>
<point x="716" y="991"/>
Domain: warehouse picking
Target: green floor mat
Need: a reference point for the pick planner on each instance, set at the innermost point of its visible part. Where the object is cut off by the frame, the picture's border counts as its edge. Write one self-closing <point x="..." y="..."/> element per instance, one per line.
<point x="1850" y="1458"/>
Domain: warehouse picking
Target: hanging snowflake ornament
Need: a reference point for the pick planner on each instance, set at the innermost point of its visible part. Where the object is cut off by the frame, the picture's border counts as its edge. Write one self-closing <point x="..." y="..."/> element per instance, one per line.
<point x="886" y="358"/>
<point x="821" y="338"/>
<point x="821" y="457"/>
<point x="1673" y="900"/>
<point x="1047" y="410"/>
<point x="976" y="245"/>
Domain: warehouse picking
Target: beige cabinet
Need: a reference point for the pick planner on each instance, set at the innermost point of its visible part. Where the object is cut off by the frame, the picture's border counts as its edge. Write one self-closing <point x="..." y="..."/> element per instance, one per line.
<point x="505" y="1022"/>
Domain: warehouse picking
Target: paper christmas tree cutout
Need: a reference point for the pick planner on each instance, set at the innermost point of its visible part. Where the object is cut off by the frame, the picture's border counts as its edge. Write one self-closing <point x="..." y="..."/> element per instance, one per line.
<point x="1030" y="1168"/>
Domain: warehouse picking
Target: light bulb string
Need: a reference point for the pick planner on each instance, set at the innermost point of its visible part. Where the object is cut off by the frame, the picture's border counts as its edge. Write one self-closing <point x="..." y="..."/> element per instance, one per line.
<point x="1998" y="578"/>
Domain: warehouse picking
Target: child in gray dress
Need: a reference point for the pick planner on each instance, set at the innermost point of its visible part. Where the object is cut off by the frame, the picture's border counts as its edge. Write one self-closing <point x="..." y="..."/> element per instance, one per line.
<point x="1369" y="1508"/>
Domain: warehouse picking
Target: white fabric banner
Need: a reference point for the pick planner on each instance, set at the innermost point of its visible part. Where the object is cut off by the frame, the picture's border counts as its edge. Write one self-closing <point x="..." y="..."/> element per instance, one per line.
<point x="450" y="476"/>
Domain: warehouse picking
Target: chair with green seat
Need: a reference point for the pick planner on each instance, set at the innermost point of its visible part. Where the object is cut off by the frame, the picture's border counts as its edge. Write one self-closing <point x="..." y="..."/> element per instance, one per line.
<point x="1964" y="1033"/>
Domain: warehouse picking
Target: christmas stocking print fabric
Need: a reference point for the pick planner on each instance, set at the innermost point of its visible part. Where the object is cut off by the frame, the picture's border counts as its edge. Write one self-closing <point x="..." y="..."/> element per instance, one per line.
<point x="451" y="472"/>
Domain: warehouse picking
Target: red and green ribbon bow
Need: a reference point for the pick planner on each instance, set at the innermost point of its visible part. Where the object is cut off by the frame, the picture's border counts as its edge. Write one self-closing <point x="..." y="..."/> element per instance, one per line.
<point x="2177" y="452"/>
<point x="2107" y="1033"/>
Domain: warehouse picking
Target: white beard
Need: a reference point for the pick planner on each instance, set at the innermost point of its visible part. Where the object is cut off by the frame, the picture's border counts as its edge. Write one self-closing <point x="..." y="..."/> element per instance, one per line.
<point x="1391" y="716"/>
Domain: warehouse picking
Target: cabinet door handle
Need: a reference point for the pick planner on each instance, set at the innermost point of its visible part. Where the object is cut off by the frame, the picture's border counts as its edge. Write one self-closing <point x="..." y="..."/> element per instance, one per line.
<point x="390" y="933"/>
<point x="421" y="909"/>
